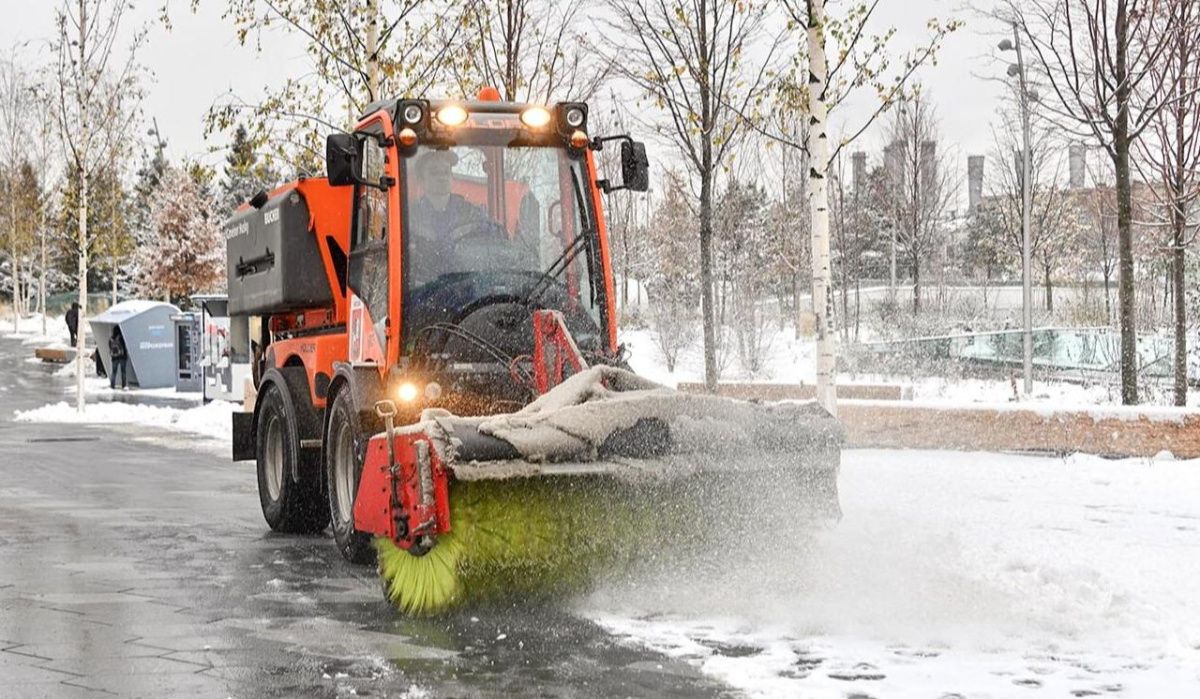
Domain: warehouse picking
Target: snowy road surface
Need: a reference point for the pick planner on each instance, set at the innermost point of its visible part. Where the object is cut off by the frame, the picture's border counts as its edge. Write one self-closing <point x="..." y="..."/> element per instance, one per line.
<point x="135" y="561"/>
<point x="961" y="574"/>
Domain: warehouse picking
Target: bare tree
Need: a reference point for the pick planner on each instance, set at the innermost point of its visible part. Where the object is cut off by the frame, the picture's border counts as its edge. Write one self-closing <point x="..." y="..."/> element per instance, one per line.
<point x="1172" y="155"/>
<point x="1055" y="217"/>
<point x="530" y="50"/>
<point x="359" y="52"/>
<point x="856" y="222"/>
<point x="43" y="153"/>
<point x="861" y="61"/>
<point x="788" y="240"/>
<point x="920" y="187"/>
<point x="672" y="284"/>
<point x="1097" y="59"/>
<point x="15" y="115"/>
<point x="97" y="93"/>
<point x="691" y="58"/>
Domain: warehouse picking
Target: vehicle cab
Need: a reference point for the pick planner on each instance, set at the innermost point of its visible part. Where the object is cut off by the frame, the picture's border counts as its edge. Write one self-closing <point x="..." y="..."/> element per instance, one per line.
<point x="468" y="216"/>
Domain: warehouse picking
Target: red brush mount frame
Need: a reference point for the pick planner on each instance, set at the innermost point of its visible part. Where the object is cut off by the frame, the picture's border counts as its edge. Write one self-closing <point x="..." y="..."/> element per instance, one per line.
<point x="553" y="350"/>
<point x="404" y="491"/>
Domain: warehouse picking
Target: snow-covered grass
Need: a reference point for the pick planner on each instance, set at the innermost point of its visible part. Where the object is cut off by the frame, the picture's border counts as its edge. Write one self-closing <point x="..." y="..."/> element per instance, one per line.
<point x="29" y="329"/>
<point x="956" y="574"/>
<point x="790" y="360"/>
<point x="211" y="420"/>
<point x="786" y="359"/>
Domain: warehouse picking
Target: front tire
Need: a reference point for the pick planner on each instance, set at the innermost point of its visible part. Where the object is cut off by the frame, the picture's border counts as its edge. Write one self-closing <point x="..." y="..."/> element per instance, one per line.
<point x="345" y="451"/>
<point x="288" y="506"/>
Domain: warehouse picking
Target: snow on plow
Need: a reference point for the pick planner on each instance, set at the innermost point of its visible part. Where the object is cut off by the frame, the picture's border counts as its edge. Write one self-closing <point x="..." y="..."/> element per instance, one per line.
<point x="544" y="500"/>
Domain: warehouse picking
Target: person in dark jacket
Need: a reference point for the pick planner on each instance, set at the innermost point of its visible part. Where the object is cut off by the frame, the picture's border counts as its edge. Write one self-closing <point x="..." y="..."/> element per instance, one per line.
<point x="116" y="349"/>
<point x="73" y="321"/>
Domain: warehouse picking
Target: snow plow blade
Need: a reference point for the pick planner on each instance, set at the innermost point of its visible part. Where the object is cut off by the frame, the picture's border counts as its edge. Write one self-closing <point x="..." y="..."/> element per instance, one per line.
<point x="546" y="498"/>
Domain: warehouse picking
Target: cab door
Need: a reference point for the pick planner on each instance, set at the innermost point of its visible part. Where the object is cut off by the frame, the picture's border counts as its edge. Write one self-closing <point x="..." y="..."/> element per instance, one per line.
<point x="371" y="242"/>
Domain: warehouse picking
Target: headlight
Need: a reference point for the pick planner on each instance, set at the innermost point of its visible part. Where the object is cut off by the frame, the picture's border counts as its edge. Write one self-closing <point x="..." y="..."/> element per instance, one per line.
<point x="452" y="115"/>
<point x="535" y="117"/>
<point x="408" y="392"/>
<point x="412" y="114"/>
<point x="574" y="117"/>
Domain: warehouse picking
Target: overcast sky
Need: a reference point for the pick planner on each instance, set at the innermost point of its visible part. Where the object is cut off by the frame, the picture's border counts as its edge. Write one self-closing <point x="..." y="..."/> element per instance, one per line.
<point x="199" y="60"/>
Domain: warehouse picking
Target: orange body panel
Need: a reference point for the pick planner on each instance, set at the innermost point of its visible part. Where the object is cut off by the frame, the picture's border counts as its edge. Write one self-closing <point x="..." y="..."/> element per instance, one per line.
<point x="605" y="256"/>
<point x="331" y="211"/>
<point x="317" y="353"/>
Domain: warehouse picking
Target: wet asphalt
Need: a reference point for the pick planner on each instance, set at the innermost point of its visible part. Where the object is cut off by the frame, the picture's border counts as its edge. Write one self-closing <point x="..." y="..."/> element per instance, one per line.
<point x="135" y="563"/>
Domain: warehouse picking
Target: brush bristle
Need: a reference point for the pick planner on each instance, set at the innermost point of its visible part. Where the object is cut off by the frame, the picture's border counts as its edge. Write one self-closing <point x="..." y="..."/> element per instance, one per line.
<point x="512" y="539"/>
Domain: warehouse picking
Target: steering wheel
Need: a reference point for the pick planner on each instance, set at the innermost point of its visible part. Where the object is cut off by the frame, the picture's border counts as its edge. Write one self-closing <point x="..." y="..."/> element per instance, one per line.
<point x="480" y="231"/>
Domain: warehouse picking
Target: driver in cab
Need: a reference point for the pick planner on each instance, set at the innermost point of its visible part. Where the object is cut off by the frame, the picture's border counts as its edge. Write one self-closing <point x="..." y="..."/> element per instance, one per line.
<point x="439" y="217"/>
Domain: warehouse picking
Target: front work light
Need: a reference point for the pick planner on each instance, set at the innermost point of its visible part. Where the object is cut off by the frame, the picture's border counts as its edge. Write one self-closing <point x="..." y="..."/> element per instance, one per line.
<point x="535" y="117"/>
<point x="412" y="114"/>
<point x="451" y="115"/>
<point x="574" y="117"/>
<point x="408" y="392"/>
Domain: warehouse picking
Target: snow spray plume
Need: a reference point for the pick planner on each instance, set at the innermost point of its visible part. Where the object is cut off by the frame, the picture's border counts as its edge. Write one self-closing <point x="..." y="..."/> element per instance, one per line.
<point x="537" y="539"/>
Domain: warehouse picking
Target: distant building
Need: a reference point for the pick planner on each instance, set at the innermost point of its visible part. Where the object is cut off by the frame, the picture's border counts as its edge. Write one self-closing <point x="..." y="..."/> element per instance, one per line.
<point x="1077" y="160"/>
<point x="974" y="182"/>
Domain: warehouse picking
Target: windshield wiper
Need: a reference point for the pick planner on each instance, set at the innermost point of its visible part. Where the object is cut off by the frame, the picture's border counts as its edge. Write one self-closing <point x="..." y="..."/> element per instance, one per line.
<point x="560" y="264"/>
<point x="556" y="268"/>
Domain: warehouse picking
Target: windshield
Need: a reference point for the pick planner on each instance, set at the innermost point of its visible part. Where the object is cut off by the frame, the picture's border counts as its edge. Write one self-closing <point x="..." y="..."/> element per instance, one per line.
<point x="489" y="219"/>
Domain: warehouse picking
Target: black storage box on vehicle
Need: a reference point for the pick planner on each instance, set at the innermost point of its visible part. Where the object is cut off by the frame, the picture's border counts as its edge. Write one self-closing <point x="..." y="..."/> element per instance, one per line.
<point x="272" y="259"/>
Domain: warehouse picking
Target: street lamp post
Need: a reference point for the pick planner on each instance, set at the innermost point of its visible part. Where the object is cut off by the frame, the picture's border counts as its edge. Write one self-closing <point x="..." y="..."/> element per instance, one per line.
<point x="1018" y="70"/>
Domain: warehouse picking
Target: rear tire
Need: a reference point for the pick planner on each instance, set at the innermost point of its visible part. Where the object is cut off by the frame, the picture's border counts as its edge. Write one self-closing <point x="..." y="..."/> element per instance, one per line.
<point x="288" y="506"/>
<point x="345" y="451"/>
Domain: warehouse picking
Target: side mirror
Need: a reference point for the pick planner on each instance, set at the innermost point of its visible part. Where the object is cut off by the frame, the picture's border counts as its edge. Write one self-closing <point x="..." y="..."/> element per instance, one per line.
<point x="635" y="166"/>
<point x="342" y="158"/>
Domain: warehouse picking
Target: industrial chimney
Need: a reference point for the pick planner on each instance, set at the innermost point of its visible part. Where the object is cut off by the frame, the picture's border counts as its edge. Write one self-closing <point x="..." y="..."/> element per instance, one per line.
<point x="1077" y="156"/>
<point x="974" y="182"/>
<point x="929" y="165"/>
<point x="858" y="162"/>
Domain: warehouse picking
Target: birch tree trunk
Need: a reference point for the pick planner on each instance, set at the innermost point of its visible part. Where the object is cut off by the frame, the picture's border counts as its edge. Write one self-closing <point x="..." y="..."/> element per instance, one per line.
<point x="1178" y="221"/>
<point x="373" y="50"/>
<point x="42" y="269"/>
<point x="818" y="147"/>
<point x="16" y="264"/>
<point x="83" y="291"/>
<point x="81" y="90"/>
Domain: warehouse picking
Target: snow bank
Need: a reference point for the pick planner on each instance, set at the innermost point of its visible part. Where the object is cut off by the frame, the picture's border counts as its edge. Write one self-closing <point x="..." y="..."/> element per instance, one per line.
<point x="29" y="328"/>
<point x="211" y="420"/>
<point x="975" y="574"/>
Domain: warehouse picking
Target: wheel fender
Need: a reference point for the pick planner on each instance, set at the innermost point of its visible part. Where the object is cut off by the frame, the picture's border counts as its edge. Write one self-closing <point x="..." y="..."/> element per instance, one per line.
<point x="365" y="388"/>
<point x="292" y="383"/>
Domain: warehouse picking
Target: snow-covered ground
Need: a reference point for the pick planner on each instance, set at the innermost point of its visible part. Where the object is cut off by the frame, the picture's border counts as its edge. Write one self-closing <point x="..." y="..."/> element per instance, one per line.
<point x="156" y="407"/>
<point x="211" y="420"/>
<point x="951" y="574"/>
<point x="956" y="575"/>
<point x="29" y="329"/>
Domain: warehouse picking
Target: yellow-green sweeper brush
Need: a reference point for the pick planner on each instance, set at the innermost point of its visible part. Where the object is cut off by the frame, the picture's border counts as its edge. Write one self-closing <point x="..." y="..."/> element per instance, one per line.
<point x="583" y="482"/>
